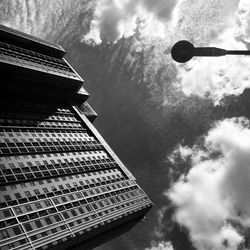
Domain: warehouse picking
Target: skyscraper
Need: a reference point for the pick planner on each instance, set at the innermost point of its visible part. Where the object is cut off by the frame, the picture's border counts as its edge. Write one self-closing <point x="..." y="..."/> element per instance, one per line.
<point x="61" y="185"/>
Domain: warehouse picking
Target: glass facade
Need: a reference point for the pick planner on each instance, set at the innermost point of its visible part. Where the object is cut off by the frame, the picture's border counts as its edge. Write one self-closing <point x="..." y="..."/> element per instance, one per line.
<point x="58" y="180"/>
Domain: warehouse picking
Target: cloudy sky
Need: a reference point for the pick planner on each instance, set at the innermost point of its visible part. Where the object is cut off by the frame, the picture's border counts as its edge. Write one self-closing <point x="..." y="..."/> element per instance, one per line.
<point x="182" y="129"/>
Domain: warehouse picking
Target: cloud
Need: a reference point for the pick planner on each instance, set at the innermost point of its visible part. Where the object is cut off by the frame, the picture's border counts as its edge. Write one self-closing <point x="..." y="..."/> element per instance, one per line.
<point x="182" y="151"/>
<point x="162" y="245"/>
<point x="115" y="18"/>
<point x="217" y="77"/>
<point x="215" y="192"/>
<point x="243" y="16"/>
<point x="203" y="21"/>
<point x="228" y="75"/>
<point x="57" y="21"/>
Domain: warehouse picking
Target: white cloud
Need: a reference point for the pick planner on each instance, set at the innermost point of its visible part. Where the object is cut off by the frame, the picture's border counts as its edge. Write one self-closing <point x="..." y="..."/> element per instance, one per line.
<point x="202" y="21"/>
<point x="184" y="152"/>
<point x="162" y="245"/>
<point x="56" y="21"/>
<point x="243" y="15"/>
<point x="116" y="18"/>
<point x="228" y="75"/>
<point x="216" y="189"/>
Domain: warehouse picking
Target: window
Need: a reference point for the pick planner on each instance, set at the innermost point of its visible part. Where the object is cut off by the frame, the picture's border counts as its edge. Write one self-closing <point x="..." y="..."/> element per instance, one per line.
<point x="100" y="204"/>
<point x="56" y="201"/>
<point x="28" y="208"/>
<point x="64" y="199"/>
<point x="17" y="230"/>
<point x="4" y="234"/>
<point x="38" y="163"/>
<point x="11" y="165"/>
<point x="18" y="195"/>
<point x="107" y="202"/>
<point x="27" y="227"/>
<point x="57" y="217"/>
<point x="74" y="213"/>
<point x="18" y="210"/>
<point x="88" y="208"/>
<point x="3" y="188"/>
<point x="7" y="198"/>
<point x="21" y="165"/>
<point x="48" y="221"/>
<point x="95" y="206"/>
<point x="44" y="234"/>
<point x="7" y="213"/>
<point x="38" y="205"/>
<point x="37" y="191"/>
<point x="71" y="197"/>
<point x="93" y="216"/>
<point x="2" y="166"/>
<point x="65" y="215"/>
<point x="27" y="193"/>
<point x="47" y="203"/>
<point x="33" y="237"/>
<point x="38" y="223"/>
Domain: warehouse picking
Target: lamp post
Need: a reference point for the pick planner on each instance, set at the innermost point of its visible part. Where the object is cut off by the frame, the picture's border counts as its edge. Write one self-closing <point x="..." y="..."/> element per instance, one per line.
<point x="183" y="51"/>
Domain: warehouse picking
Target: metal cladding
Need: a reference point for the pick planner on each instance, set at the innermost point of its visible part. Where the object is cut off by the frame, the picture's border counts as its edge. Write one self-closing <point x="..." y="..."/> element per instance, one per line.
<point x="61" y="185"/>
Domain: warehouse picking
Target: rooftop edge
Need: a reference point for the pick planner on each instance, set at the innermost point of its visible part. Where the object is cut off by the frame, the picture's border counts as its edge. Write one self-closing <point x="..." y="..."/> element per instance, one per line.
<point x="28" y="41"/>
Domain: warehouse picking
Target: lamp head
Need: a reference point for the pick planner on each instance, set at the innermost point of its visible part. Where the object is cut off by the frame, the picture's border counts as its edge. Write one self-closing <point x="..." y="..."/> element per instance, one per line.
<point x="182" y="51"/>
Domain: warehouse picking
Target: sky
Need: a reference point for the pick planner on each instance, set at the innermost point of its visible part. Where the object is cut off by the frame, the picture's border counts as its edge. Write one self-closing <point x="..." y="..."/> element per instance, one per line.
<point x="182" y="129"/>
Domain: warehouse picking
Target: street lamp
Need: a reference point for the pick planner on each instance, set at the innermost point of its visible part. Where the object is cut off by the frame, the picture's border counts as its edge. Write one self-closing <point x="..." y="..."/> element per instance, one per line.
<point x="183" y="51"/>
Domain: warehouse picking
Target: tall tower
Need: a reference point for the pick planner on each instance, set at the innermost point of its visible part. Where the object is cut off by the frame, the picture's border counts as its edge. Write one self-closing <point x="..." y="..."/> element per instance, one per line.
<point x="61" y="185"/>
